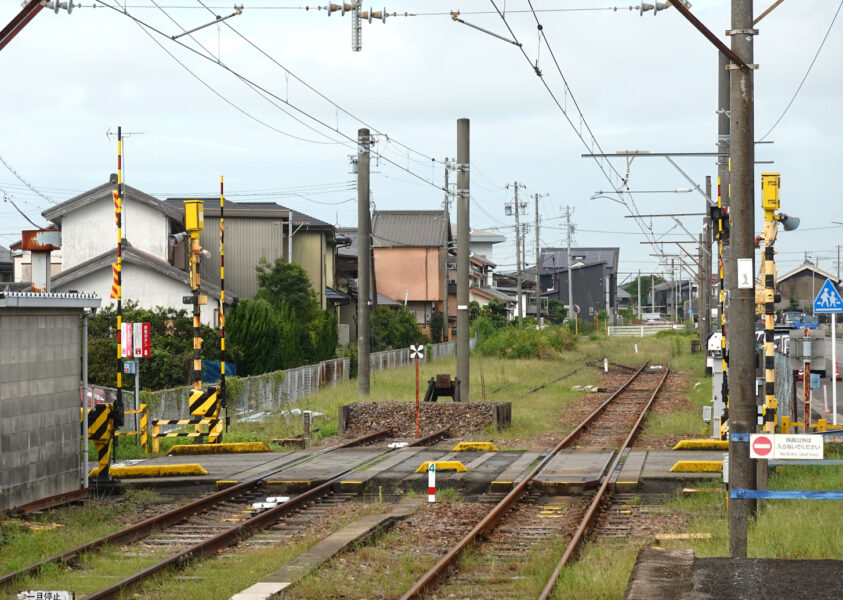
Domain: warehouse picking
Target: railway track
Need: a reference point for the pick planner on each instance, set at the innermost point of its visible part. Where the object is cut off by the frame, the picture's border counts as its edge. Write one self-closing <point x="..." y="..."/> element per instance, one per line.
<point x="524" y="521"/>
<point x="215" y="522"/>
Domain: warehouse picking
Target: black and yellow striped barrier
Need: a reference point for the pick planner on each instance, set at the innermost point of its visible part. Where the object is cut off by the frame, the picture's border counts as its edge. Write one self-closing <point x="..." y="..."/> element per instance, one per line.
<point x="143" y="426"/>
<point x="101" y="432"/>
<point x="198" y="423"/>
<point x="207" y="404"/>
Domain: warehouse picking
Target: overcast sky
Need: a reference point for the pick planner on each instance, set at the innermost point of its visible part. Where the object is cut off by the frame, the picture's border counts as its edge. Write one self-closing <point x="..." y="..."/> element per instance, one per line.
<point x="642" y="82"/>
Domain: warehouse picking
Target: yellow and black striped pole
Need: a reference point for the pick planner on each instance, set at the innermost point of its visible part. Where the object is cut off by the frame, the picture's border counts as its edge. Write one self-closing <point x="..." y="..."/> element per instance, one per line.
<point x="770" y="183"/>
<point x="722" y="232"/>
<point x="223" y="390"/>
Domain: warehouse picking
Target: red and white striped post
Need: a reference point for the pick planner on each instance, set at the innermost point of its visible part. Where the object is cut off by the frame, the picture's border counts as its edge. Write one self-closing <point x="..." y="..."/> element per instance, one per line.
<point x="417" y="353"/>
<point x="431" y="482"/>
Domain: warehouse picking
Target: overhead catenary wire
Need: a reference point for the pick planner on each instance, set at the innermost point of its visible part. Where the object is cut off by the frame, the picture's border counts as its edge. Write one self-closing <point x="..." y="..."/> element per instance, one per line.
<point x="250" y="82"/>
<point x="618" y="187"/>
<point x="811" y="66"/>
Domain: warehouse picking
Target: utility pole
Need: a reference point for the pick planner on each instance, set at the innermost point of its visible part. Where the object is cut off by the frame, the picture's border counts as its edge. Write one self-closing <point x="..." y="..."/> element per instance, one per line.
<point x="364" y="232"/>
<point x="705" y="271"/>
<point x="570" y="230"/>
<point x="446" y="204"/>
<point x="639" y="293"/>
<point x="463" y="240"/>
<point x="538" y="266"/>
<point x="518" y="207"/>
<point x="742" y="405"/>
<point x="673" y="290"/>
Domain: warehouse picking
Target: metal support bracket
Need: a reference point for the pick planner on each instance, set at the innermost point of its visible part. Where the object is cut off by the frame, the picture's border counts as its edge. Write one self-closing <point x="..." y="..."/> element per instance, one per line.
<point x="741" y="31"/>
<point x="739" y="437"/>
<point x="732" y="67"/>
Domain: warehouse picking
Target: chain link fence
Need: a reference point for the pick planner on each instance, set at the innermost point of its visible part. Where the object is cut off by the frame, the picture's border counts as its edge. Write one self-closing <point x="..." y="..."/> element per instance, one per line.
<point x="785" y="389"/>
<point x="250" y="395"/>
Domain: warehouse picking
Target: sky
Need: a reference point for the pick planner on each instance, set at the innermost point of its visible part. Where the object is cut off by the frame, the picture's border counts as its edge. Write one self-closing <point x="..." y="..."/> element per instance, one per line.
<point x="640" y="83"/>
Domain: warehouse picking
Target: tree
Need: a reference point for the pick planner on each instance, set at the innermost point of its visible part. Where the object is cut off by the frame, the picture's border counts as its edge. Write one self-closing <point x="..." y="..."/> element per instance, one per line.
<point x="646" y="282"/>
<point x="283" y="327"/>
<point x="287" y="283"/>
<point x="437" y="324"/>
<point x="556" y="310"/>
<point x="170" y="362"/>
<point x="258" y="337"/>
<point x="394" y="328"/>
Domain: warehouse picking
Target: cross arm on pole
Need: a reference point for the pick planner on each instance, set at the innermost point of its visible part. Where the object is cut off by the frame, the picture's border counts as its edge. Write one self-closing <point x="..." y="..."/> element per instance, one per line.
<point x="685" y="12"/>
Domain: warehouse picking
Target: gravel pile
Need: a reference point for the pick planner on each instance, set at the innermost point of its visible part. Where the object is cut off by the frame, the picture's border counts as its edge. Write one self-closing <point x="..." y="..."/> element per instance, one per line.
<point x="460" y="417"/>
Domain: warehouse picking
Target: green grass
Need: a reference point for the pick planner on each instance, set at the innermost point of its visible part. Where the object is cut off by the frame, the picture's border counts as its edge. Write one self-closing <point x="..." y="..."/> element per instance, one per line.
<point x="57" y="530"/>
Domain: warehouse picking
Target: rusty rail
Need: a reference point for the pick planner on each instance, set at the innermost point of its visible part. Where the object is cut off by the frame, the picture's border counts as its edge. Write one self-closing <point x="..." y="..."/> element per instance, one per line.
<point x="243" y="530"/>
<point x="147" y="527"/>
<point x="491" y="519"/>
<point x="588" y="517"/>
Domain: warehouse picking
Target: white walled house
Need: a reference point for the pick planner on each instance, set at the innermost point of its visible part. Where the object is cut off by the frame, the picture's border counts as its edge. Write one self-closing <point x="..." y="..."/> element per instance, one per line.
<point x="88" y="227"/>
<point x="153" y="275"/>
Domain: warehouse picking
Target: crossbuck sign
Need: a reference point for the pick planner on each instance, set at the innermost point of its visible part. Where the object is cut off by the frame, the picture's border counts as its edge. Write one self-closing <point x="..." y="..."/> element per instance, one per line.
<point x="417" y="351"/>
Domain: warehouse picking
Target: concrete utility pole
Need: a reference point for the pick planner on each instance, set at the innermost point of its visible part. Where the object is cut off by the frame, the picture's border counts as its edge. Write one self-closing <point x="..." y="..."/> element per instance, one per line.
<point x="538" y="266"/>
<point x="742" y="405"/>
<point x="517" y="208"/>
<point x="364" y="231"/>
<point x="446" y="204"/>
<point x="673" y="290"/>
<point x="639" y="293"/>
<point x="463" y="242"/>
<point x="570" y="230"/>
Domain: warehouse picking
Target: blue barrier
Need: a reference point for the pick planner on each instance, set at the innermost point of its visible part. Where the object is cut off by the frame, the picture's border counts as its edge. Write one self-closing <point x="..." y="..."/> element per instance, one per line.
<point x="742" y="494"/>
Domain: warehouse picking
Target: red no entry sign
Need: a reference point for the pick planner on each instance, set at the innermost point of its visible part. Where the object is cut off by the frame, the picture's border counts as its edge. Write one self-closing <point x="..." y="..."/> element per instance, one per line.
<point x="761" y="446"/>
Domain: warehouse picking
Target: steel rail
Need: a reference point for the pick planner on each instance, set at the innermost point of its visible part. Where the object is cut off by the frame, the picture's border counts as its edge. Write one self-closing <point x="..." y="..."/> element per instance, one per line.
<point x="491" y="519"/>
<point x="147" y="527"/>
<point x="588" y="517"/>
<point x="234" y="534"/>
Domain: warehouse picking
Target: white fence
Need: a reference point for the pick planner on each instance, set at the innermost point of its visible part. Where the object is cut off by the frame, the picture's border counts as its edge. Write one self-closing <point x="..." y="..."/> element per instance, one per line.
<point x="638" y="330"/>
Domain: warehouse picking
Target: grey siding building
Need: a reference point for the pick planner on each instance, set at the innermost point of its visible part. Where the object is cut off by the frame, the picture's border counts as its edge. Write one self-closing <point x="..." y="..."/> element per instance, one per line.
<point x="40" y="395"/>
<point x="594" y="278"/>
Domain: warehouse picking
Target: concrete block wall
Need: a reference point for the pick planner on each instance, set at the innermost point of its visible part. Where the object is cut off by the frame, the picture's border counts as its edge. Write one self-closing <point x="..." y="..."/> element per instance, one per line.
<point x="39" y="403"/>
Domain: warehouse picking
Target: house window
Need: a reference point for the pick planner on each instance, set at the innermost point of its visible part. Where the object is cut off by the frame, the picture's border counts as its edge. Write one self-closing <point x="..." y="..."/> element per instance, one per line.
<point x="216" y="318"/>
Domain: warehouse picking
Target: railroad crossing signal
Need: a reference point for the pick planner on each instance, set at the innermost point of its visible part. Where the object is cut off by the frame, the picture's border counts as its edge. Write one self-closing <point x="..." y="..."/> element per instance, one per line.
<point x="828" y="299"/>
<point x="417" y="351"/>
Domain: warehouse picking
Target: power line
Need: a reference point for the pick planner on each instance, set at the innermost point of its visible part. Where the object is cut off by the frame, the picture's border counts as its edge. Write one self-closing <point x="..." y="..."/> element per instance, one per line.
<point x="618" y="187"/>
<point x="811" y="66"/>
<point x="8" y="199"/>
<point x="320" y="94"/>
<point x="24" y="182"/>
<point x="252" y="83"/>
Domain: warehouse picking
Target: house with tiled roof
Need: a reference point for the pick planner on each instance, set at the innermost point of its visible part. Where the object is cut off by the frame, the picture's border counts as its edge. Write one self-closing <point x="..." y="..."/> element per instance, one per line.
<point x="409" y="260"/>
<point x="152" y="273"/>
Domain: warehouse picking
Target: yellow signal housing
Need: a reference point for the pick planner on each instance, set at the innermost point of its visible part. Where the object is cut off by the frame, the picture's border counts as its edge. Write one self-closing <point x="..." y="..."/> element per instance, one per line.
<point x="194" y="220"/>
<point x="770" y="183"/>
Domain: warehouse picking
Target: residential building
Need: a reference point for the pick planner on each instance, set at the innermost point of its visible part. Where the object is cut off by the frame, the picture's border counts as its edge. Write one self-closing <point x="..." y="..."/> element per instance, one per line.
<point x="152" y="273"/>
<point x="261" y="230"/>
<point x="409" y="260"/>
<point x="7" y="265"/>
<point x="799" y="287"/>
<point x="593" y="273"/>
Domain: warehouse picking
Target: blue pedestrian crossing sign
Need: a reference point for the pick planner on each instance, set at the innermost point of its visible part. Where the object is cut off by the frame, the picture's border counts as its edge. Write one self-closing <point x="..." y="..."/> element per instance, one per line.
<point x="828" y="300"/>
